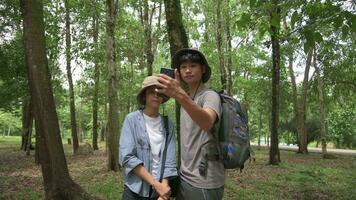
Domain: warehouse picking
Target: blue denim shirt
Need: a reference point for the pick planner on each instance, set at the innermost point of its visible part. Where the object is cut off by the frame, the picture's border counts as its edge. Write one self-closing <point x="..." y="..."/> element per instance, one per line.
<point x="134" y="149"/>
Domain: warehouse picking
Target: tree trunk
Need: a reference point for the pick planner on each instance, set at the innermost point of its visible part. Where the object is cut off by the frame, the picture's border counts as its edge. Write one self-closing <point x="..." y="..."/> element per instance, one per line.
<point x="245" y="105"/>
<point x="301" y="128"/>
<point x="206" y="36"/>
<point x="37" y="145"/>
<point x="104" y="122"/>
<point x="70" y="80"/>
<point x="178" y="39"/>
<point x="299" y="105"/>
<point x="45" y="162"/>
<point x="113" y="118"/>
<point x="268" y="132"/>
<point x="29" y="139"/>
<point x="96" y="82"/>
<point x="57" y="182"/>
<point x="322" y="107"/>
<point x="176" y="33"/>
<point x="27" y="118"/>
<point x="80" y="116"/>
<point x="294" y="86"/>
<point x="156" y="34"/>
<point x="274" y="150"/>
<point x="259" y="131"/>
<point x="219" y="41"/>
<point x="132" y="80"/>
<point x="102" y="131"/>
<point x="24" y="134"/>
<point x="229" y="56"/>
<point x="148" y="38"/>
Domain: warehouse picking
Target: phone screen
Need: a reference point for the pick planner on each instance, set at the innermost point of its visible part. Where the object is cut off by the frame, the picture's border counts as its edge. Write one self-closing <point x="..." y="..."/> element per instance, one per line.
<point x="168" y="72"/>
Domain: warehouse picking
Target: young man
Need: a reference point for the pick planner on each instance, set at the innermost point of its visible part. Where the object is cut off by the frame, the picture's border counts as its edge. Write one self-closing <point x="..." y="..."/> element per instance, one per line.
<point x="201" y="171"/>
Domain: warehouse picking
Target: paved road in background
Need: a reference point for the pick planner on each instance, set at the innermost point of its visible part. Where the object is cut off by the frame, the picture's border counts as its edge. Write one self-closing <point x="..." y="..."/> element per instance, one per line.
<point x="314" y="150"/>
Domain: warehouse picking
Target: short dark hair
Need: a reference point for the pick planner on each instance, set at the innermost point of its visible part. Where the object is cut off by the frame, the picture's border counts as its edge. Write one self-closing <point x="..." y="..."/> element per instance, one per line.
<point x="190" y="57"/>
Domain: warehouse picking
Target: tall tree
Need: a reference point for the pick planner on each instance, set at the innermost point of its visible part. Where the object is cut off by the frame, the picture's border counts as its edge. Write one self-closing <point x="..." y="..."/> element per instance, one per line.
<point x="291" y="74"/>
<point x="177" y="35"/>
<point x="147" y="26"/>
<point x="321" y="106"/>
<point x="57" y="182"/>
<point x="80" y="115"/>
<point x="178" y="39"/>
<point x="299" y="103"/>
<point x="96" y="79"/>
<point x="27" y="119"/>
<point x="73" y="120"/>
<point x="113" y="118"/>
<point x="229" y="51"/>
<point x="220" y="43"/>
<point x="301" y="120"/>
<point x="104" y="123"/>
<point x="275" y="26"/>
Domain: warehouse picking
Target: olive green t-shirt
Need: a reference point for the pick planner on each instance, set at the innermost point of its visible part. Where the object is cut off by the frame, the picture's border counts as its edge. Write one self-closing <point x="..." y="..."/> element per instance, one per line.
<point x="193" y="138"/>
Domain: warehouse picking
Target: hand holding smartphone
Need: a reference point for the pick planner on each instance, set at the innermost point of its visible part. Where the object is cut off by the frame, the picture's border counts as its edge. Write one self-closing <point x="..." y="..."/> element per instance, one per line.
<point x="168" y="72"/>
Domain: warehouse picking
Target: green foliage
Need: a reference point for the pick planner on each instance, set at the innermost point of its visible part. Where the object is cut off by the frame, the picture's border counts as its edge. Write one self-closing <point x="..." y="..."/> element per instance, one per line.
<point x="13" y="81"/>
<point x="342" y="127"/>
<point x="294" y="19"/>
<point x="10" y="19"/>
<point x="10" y="121"/>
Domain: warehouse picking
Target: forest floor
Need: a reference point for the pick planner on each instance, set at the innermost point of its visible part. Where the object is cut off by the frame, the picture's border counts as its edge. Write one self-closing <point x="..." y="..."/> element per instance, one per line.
<point x="296" y="177"/>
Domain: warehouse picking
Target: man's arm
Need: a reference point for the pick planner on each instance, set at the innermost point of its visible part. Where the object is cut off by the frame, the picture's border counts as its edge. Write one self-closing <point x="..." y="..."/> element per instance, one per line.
<point x="203" y="117"/>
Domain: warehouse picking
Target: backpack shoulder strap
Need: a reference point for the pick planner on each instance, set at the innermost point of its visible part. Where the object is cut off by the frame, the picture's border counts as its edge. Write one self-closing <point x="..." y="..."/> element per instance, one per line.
<point x="164" y="153"/>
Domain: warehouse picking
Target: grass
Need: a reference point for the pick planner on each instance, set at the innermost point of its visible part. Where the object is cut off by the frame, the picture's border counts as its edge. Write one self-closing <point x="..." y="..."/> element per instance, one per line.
<point x="328" y="145"/>
<point x="296" y="177"/>
<point x="9" y="141"/>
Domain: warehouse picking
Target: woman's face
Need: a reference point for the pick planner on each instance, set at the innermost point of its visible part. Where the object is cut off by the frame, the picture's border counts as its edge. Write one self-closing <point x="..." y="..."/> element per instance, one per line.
<point x="153" y="99"/>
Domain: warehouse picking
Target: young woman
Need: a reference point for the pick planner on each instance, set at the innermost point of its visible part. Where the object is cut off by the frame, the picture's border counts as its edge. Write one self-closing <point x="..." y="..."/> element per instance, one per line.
<point x="142" y="141"/>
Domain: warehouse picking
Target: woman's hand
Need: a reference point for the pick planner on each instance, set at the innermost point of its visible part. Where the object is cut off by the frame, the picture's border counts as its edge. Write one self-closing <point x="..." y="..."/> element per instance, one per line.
<point x="163" y="190"/>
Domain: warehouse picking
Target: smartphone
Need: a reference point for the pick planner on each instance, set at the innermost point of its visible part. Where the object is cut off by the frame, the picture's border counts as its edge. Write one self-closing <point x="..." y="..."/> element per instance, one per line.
<point x="168" y="72"/>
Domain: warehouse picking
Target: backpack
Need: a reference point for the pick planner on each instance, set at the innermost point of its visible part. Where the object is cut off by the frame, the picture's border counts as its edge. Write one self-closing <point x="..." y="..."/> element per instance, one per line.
<point x="234" y="140"/>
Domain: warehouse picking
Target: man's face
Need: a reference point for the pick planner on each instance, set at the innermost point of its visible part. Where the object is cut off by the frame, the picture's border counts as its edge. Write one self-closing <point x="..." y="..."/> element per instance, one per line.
<point x="191" y="72"/>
